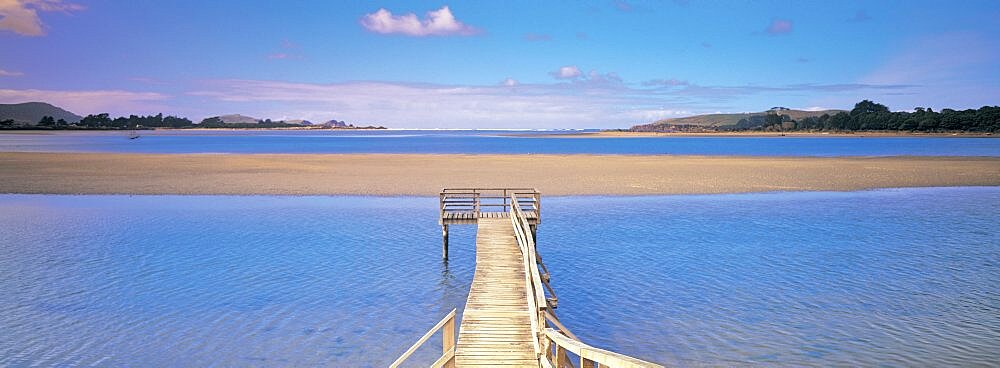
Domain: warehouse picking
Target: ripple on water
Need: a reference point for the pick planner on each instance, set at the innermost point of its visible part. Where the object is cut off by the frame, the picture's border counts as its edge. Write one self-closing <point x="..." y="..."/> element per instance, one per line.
<point x="893" y="277"/>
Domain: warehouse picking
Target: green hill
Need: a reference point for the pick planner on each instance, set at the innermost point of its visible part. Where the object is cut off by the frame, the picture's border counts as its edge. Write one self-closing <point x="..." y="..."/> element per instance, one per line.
<point x="711" y="121"/>
<point x="31" y="112"/>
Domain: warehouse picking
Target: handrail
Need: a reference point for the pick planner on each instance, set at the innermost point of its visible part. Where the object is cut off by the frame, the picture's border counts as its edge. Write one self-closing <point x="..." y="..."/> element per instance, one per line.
<point x="592" y="354"/>
<point x="530" y="291"/>
<point x="555" y="321"/>
<point x="474" y="201"/>
<point x="535" y="295"/>
<point x="544" y="339"/>
<point x="520" y="223"/>
<point x="447" y="337"/>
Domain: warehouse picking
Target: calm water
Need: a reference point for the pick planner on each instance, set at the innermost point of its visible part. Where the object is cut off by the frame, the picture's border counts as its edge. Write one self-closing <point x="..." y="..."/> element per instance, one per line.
<point x="907" y="277"/>
<point x="416" y="141"/>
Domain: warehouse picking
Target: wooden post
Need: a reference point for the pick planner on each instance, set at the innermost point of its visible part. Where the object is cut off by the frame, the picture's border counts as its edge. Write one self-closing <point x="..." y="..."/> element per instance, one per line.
<point x="444" y="236"/>
<point x="448" y="337"/>
<point x="534" y="234"/>
<point x="561" y="356"/>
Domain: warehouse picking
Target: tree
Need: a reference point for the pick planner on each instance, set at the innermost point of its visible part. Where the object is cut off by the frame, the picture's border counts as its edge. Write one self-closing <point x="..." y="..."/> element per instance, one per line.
<point x="47" y="121"/>
<point x="212" y="122"/>
<point x="868" y="107"/>
<point x="809" y="123"/>
<point x="928" y="124"/>
<point x="840" y="121"/>
<point x="95" y="121"/>
<point x="772" y="120"/>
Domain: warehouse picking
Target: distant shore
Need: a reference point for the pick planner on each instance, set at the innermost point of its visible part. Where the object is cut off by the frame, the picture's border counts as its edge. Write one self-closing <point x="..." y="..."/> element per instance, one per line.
<point x="426" y="174"/>
<point x="623" y="134"/>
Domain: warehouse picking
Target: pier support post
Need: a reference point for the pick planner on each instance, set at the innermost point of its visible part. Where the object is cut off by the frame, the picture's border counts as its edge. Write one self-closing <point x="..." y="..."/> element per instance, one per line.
<point x="534" y="233"/>
<point x="444" y="237"/>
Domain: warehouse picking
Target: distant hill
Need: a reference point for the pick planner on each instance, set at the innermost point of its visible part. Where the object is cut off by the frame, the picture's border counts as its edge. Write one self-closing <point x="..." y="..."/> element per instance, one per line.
<point x="719" y="120"/>
<point x="337" y="124"/>
<point x="32" y="112"/>
<point x="238" y="119"/>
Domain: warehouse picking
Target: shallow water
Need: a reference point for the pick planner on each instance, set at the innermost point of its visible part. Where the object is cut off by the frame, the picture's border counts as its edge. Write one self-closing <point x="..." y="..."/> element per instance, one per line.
<point x="483" y="142"/>
<point x="891" y="277"/>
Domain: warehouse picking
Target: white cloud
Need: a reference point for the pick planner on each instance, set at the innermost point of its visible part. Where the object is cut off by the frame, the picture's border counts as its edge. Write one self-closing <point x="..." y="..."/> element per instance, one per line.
<point x="439" y="22"/>
<point x="21" y="16"/>
<point x="567" y="72"/>
<point x="563" y="105"/>
<point x="88" y="102"/>
<point x="814" y="108"/>
<point x="672" y="82"/>
<point x="7" y="73"/>
<point x="656" y="114"/>
<point x="509" y="82"/>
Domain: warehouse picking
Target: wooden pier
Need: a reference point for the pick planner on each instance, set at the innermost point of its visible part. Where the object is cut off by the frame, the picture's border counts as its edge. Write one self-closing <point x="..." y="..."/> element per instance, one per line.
<point x="508" y="319"/>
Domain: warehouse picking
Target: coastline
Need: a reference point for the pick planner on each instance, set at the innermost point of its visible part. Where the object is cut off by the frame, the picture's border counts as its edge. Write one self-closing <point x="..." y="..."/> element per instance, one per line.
<point x="621" y="134"/>
<point x="426" y="174"/>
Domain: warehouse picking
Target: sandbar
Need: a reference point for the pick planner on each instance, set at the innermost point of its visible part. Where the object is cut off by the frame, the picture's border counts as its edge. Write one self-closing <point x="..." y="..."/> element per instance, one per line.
<point x="426" y="174"/>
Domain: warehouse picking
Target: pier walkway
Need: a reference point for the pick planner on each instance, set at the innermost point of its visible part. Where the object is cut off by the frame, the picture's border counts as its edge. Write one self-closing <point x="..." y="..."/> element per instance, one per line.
<point x="496" y="325"/>
<point x="509" y="318"/>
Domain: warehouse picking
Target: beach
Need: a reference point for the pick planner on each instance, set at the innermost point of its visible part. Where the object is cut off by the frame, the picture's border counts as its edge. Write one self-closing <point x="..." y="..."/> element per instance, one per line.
<point x="426" y="174"/>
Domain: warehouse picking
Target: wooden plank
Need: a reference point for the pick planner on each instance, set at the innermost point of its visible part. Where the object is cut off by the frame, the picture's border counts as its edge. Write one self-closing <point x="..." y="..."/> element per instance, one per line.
<point x="495" y="328"/>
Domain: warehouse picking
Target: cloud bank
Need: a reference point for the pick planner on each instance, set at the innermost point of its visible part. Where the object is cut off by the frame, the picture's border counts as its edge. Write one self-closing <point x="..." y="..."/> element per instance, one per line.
<point x="7" y="73"/>
<point x="592" y="100"/>
<point x="439" y="22"/>
<point x="89" y="102"/>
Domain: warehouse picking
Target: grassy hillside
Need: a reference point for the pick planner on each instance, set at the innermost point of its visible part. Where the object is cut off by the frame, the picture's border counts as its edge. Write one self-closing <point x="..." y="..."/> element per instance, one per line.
<point x="32" y="112"/>
<point x="717" y="120"/>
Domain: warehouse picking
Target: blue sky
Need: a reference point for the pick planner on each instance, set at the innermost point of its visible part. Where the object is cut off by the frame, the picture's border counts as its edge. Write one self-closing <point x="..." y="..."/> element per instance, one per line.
<point x="510" y="64"/>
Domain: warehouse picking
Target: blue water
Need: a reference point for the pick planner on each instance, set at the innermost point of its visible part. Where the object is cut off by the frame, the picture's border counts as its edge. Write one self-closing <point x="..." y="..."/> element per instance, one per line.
<point x="482" y="142"/>
<point x="903" y="277"/>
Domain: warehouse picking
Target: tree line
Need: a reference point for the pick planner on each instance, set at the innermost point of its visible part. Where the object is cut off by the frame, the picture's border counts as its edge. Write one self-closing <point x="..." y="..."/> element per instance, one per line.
<point x="871" y="116"/>
<point x="105" y="122"/>
<point x="216" y="122"/>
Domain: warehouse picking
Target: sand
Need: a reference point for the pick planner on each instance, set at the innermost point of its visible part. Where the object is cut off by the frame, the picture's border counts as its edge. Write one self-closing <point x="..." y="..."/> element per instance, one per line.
<point x="426" y="174"/>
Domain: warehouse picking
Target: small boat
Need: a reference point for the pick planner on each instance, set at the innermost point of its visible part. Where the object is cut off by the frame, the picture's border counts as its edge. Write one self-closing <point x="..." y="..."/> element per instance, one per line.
<point x="133" y="135"/>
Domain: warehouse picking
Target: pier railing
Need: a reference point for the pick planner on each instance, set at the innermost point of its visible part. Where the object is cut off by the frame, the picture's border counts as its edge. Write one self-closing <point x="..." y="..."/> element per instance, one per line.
<point x="553" y="345"/>
<point x="447" y="327"/>
<point x="551" y="341"/>
<point x="473" y="203"/>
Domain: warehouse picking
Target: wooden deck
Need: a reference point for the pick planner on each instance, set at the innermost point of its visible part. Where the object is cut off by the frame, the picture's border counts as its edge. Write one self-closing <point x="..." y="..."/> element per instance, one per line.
<point x="496" y="325"/>
<point x="509" y="318"/>
<point x="470" y="217"/>
<point x="464" y="206"/>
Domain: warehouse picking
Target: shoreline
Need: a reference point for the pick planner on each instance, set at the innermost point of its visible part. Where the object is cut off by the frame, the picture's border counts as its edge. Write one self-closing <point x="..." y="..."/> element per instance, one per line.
<point x="426" y="174"/>
<point x="620" y="134"/>
<point x="545" y="134"/>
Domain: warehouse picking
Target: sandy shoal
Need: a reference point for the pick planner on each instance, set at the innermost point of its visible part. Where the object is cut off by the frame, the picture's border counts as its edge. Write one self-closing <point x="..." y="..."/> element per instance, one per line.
<point x="426" y="174"/>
